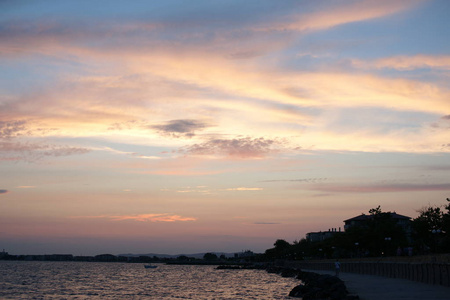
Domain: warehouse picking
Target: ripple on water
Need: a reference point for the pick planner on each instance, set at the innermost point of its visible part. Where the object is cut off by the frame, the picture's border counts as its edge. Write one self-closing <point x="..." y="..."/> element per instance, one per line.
<point x="81" y="280"/>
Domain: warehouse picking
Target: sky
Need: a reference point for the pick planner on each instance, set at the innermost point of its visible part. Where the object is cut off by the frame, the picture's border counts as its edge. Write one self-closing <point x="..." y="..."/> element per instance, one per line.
<point x="193" y="126"/>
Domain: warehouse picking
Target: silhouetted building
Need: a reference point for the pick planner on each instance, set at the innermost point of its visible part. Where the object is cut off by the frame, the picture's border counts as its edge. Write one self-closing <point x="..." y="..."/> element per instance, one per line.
<point x="322" y="235"/>
<point x="362" y="220"/>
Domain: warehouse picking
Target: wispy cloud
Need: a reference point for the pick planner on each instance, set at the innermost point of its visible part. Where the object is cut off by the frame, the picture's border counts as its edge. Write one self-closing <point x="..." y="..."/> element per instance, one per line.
<point x="131" y="154"/>
<point x="245" y="189"/>
<point x="198" y="189"/>
<point x="3" y="191"/>
<point x="380" y="188"/>
<point x="14" y="145"/>
<point x="339" y="14"/>
<point x="12" y="129"/>
<point x="30" y="151"/>
<point x="407" y="63"/>
<point x="141" y="218"/>
<point x="305" y="180"/>
<point x="266" y="223"/>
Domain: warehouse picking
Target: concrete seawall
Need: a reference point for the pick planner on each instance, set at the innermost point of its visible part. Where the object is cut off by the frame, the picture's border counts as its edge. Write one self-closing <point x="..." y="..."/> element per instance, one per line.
<point x="430" y="273"/>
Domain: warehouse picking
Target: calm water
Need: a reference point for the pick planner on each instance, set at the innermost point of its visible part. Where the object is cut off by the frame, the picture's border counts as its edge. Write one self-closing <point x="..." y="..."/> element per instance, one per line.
<point x="80" y="280"/>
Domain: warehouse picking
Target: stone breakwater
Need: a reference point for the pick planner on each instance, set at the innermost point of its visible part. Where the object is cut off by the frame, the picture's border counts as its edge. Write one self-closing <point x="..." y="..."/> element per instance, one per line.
<point x="425" y="272"/>
<point x="314" y="286"/>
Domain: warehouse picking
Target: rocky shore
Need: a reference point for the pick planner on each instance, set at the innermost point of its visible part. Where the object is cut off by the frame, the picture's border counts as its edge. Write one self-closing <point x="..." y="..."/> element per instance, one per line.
<point x="314" y="286"/>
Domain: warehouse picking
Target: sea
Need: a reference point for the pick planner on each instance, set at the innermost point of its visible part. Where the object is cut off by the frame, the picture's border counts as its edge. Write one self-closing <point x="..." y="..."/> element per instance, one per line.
<point x="91" y="280"/>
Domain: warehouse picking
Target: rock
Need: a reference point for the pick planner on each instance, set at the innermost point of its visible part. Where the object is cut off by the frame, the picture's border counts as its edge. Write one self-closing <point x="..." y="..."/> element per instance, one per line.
<point x="289" y="273"/>
<point x="297" y="291"/>
<point x="320" y="287"/>
<point x="273" y="270"/>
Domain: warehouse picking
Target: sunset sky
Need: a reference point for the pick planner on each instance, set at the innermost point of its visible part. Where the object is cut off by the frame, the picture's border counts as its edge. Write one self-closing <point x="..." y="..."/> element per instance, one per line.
<point x="193" y="126"/>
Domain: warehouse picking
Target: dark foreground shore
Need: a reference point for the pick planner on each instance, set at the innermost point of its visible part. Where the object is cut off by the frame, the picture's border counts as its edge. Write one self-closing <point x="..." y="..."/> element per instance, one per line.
<point x="321" y="284"/>
<point x="372" y="287"/>
<point x="313" y="286"/>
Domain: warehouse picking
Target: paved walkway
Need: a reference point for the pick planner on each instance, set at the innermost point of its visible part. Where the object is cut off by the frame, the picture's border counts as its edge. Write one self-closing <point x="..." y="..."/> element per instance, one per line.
<point x="370" y="287"/>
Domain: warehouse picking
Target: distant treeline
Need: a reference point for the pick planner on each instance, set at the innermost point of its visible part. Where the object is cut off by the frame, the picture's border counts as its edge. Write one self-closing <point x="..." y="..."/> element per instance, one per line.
<point x="70" y="257"/>
<point x="208" y="258"/>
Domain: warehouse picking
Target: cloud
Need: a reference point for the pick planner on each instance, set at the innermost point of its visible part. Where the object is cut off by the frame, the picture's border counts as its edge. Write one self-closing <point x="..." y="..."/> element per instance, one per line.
<point x="381" y="188"/>
<point x="438" y="168"/>
<point x="11" y="129"/>
<point x="4" y="191"/>
<point x="237" y="148"/>
<point x="407" y="63"/>
<point x="339" y="14"/>
<point x="132" y="154"/>
<point x="142" y="218"/>
<point x="306" y="180"/>
<point x="266" y="223"/>
<point x="27" y="151"/>
<point x="161" y="80"/>
<point x="200" y="190"/>
<point x="153" y="218"/>
<point x="244" y="189"/>
<point x="177" y="128"/>
<point x="442" y="123"/>
<point x="127" y="125"/>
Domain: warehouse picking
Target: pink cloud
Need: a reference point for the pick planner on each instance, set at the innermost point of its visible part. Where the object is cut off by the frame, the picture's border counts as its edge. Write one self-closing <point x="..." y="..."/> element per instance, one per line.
<point x="238" y="148"/>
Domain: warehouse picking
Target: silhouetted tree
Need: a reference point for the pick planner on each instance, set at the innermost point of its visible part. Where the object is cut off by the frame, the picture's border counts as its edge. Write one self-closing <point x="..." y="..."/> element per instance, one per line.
<point x="281" y="245"/>
<point x="183" y="258"/>
<point x="210" y="256"/>
<point x="431" y="229"/>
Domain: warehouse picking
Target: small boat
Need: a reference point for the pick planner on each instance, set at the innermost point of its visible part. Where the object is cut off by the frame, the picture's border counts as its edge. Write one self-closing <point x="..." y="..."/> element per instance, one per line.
<point x="150" y="267"/>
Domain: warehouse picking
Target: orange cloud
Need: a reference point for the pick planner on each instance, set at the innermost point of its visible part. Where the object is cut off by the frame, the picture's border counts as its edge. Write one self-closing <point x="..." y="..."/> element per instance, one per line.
<point x="142" y="218"/>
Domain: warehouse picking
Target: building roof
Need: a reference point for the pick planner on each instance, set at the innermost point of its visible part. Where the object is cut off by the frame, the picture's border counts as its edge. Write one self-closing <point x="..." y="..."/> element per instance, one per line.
<point x="364" y="217"/>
